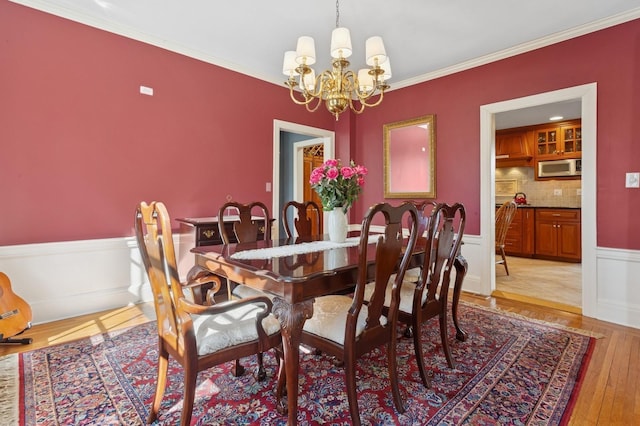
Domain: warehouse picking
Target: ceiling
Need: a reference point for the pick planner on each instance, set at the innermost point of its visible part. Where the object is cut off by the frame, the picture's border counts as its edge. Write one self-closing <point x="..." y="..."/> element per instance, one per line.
<point x="425" y="39"/>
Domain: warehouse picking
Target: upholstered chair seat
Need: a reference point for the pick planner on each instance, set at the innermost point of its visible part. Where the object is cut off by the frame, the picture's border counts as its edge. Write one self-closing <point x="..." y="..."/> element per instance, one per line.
<point x="214" y="333"/>
<point x="330" y="318"/>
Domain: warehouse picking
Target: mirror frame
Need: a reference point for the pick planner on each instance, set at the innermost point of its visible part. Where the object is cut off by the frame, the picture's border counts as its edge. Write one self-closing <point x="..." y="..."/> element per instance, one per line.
<point x="431" y="166"/>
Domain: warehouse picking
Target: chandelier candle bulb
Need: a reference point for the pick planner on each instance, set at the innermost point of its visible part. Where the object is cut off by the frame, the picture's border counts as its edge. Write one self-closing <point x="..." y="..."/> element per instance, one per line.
<point x="289" y="66"/>
<point x="341" y="43"/>
<point x="306" y="51"/>
<point x="365" y="80"/>
<point x="376" y="54"/>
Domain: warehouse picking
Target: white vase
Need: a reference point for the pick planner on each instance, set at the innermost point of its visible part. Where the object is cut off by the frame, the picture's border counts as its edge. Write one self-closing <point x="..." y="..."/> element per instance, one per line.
<point x="337" y="225"/>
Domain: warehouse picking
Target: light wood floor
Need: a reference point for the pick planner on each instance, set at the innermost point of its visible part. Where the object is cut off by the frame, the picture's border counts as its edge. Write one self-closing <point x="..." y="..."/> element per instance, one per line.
<point x="610" y="394"/>
<point x="544" y="282"/>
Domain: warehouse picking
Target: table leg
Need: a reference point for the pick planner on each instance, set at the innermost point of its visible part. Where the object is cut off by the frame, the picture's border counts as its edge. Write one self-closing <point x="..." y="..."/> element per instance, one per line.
<point x="461" y="266"/>
<point x="292" y="318"/>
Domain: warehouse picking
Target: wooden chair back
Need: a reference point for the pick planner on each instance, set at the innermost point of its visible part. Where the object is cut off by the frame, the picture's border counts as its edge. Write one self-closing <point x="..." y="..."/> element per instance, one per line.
<point x="504" y="216"/>
<point x="153" y="233"/>
<point x="388" y="249"/>
<point x="306" y="218"/>
<point x="424" y="209"/>
<point x="430" y="298"/>
<point x="246" y="229"/>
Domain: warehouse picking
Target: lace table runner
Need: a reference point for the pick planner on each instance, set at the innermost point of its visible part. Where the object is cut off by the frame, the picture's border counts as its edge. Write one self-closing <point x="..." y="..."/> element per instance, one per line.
<point x="302" y="248"/>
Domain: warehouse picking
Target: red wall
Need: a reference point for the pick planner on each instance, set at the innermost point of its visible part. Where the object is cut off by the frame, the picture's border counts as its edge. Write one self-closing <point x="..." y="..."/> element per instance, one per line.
<point x="80" y="146"/>
<point x="609" y="57"/>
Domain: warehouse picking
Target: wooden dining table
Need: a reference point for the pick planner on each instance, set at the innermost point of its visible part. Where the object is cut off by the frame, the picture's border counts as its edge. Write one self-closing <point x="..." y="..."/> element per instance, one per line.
<point x="295" y="272"/>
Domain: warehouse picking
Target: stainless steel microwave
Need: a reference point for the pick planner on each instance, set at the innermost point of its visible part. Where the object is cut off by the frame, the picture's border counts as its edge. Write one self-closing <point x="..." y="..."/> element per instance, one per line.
<point x="560" y="168"/>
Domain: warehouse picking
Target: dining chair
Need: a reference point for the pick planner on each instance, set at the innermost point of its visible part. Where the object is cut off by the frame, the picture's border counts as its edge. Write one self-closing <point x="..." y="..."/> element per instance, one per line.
<point x="424" y="209"/>
<point x="343" y="325"/>
<point x="429" y="298"/>
<point x="198" y="337"/>
<point x="306" y="219"/>
<point x="504" y="215"/>
<point x="246" y="229"/>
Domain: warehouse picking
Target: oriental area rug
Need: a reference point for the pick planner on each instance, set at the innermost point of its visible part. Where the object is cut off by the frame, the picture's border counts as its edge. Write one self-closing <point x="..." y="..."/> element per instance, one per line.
<point x="509" y="371"/>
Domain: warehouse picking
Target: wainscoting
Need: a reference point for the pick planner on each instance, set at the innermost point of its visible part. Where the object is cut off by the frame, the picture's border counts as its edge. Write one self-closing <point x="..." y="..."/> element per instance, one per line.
<point x="66" y="279"/>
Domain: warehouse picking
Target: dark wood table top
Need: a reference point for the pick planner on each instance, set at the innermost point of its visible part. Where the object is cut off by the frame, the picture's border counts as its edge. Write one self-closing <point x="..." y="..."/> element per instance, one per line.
<point x="293" y="277"/>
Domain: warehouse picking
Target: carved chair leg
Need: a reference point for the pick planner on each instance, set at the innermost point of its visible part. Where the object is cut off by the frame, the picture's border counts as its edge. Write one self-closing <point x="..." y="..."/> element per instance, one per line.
<point x="352" y="396"/>
<point x="393" y="376"/>
<point x="190" y="375"/>
<point x="445" y="338"/>
<point x="238" y="369"/>
<point x="163" y="365"/>
<point x="261" y="373"/>
<point x="417" y="347"/>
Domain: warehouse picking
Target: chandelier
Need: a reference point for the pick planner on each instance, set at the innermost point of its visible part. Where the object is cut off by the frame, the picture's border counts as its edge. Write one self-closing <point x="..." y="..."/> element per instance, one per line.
<point x="339" y="88"/>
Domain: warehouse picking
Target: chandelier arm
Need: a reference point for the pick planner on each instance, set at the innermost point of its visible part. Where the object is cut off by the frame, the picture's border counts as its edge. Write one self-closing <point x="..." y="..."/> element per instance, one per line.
<point x="353" y="107"/>
<point x="310" y="108"/>
<point x="304" y="101"/>
<point x="376" y="103"/>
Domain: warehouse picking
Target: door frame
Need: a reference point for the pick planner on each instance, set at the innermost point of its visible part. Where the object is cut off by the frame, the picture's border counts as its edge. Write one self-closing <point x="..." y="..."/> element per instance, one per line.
<point x="298" y="170"/>
<point x="587" y="93"/>
<point x="328" y="138"/>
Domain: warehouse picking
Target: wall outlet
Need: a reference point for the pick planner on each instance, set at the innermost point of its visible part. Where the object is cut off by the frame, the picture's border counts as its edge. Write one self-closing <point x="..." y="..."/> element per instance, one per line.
<point x="557" y="192"/>
<point x="579" y="191"/>
<point x="632" y="180"/>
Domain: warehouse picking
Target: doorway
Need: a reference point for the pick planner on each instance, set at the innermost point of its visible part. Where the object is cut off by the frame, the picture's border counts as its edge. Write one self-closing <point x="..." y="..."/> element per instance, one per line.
<point x="284" y="171"/>
<point x="552" y="283"/>
<point x="587" y="94"/>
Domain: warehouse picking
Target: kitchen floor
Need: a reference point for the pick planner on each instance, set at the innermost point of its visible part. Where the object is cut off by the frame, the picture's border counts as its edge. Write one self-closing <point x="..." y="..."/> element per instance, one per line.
<point x="543" y="282"/>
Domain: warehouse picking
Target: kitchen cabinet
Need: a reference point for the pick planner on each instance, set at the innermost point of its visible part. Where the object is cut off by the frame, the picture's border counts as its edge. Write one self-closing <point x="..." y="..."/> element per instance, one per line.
<point x="563" y="140"/>
<point x="519" y="240"/>
<point x="558" y="234"/>
<point x="514" y="148"/>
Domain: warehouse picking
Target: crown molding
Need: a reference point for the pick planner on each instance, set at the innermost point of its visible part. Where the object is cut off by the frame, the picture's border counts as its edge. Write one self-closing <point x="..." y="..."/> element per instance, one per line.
<point x="125" y="31"/>
<point x="524" y="47"/>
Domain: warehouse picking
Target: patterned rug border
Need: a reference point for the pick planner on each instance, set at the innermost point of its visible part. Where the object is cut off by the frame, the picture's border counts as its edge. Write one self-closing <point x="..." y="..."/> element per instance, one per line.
<point x="9" y="394"/>
<point x="499" y="311"/>
<point x="560" y="418"/>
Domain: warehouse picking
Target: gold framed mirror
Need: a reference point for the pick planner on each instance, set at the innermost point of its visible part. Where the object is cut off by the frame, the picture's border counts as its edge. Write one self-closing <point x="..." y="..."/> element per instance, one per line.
<point x="410" y="158"/>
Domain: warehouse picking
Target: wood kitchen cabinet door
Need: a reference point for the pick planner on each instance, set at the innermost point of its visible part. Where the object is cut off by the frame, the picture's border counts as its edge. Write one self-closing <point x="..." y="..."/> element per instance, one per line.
<point x="558" y="234"/>
<point x="514" y="148"/>
<point x="546" y="238"/>
<point x="569" y="240"/>
<point x="519" y="240"/>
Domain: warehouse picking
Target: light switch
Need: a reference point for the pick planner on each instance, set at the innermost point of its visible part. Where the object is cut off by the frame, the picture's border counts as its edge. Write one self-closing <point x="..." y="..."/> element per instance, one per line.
<point x="268" y="187"/>
<point x="633" y="180"/>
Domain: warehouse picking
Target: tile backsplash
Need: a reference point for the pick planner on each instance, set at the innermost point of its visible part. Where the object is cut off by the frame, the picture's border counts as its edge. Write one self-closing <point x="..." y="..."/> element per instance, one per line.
<point x="541" y="193"/>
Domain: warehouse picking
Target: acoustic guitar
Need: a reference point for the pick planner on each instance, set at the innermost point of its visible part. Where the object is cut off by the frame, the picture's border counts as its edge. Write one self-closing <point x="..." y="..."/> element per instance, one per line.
<point x="15" y="313"/>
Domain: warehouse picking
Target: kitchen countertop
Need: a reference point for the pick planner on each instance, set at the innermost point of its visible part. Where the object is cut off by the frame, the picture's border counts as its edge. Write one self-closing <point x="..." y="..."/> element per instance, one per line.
<point x="533" y="206"/>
